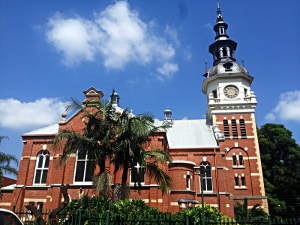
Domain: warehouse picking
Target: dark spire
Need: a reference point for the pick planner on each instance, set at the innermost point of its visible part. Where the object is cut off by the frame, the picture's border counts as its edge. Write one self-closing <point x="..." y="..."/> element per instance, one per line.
<point x="223" y="48"/>
<point x="114" y="98"/>
<point x="219" y="13"/>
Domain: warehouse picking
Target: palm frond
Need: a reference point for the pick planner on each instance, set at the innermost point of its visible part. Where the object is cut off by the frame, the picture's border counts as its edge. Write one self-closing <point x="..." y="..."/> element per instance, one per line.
<point x="159" y="175"/>
<point x="159" y="155"/>
<point x="8" y="169"/>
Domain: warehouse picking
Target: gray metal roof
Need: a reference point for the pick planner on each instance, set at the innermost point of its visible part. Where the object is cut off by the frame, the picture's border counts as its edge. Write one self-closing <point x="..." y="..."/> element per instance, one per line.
<point x="191" y="134"/>
<point x="183" y="134"/>
<point x="51" y="129"/>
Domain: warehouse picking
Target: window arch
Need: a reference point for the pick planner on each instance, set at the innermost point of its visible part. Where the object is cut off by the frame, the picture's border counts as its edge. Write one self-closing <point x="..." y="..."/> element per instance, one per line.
<point x="84" y="168"/>
<point x="41" y="167"/>
<point x="205" y="176"/>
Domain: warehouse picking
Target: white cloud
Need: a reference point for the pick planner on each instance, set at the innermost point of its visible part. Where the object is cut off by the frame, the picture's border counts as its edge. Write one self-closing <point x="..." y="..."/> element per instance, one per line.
<point x="172" y="33"/>
<point x="117" y="34"/>
<point x="167" y="70"/>
<point x="20" y="115"/>
<point x="288" y="107"/>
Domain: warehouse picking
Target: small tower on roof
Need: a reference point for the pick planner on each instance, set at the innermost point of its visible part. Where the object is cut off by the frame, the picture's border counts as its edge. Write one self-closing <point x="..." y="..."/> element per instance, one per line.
<point x="114" y="98"/>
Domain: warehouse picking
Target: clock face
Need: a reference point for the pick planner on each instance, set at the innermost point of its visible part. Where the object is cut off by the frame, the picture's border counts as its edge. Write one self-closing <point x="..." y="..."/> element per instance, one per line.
<point x="231" y="91"/>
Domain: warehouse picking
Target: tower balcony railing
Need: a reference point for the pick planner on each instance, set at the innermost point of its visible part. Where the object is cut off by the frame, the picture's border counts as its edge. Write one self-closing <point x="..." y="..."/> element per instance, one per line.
<point x="247" y="99"/>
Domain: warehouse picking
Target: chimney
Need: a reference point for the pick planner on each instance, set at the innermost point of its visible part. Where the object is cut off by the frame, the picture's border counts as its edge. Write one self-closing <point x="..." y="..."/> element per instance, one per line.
<point x="168" y="115"/>
<point x="92" y="95"/>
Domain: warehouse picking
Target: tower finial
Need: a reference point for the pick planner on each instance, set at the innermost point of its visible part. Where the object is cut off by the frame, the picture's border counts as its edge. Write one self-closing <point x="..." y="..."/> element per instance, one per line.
<point x="219" y="8"/>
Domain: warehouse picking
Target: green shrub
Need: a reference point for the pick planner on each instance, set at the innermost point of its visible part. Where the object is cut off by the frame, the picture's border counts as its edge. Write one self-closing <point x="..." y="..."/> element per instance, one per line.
<point x="199" y="215"/>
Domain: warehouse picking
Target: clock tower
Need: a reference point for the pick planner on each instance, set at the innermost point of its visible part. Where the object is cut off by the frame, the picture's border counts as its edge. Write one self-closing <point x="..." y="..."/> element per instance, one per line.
<point x="231" y="110"/>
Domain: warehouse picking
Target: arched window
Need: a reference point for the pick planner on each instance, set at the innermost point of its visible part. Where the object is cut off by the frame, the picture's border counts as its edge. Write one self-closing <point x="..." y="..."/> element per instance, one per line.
<point x="234" y="160"/>
<point x="137" y="174"/>
<point x="85" y="166"/>
<point x="188" y="182"/>
<point x="236" y="180"/>
<point x="205" y="176"/>
<point x="41" y="168"/>
<point x="243" y="179"/>
<point x="241" y="160"/>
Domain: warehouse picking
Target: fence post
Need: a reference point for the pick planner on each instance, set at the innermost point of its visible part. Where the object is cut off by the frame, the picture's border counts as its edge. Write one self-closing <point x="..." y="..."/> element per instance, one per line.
<point x="107" y="217"/>
<point x="187" y="220"/>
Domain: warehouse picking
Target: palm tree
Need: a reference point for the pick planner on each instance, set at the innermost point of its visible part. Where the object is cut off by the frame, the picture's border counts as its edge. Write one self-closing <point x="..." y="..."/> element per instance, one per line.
<point x="245" y="215"/>
<point x="95" y="140"/>
<point x="133" y="134"/>
<point x="5" y="162"/>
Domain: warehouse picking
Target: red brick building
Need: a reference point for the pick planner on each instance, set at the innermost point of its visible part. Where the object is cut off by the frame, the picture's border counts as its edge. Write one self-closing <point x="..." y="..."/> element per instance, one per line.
<point x="221" y="151"/>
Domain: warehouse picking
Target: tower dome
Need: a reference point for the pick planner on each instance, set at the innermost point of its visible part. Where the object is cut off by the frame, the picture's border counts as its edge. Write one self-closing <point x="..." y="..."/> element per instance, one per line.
<point x="226" y="67"/>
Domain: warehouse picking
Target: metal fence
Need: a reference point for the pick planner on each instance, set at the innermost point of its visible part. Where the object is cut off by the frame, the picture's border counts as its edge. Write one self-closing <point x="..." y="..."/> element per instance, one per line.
<point x="166" y="219"/>
<point x="27" y="217"/>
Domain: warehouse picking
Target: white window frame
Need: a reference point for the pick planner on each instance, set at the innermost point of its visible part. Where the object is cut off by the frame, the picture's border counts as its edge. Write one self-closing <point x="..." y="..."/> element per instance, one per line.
<point x="43" y="153"/>
<point x="138" y="167"/>
<point x="206" y="178"/>
<point x="86" y="160"/>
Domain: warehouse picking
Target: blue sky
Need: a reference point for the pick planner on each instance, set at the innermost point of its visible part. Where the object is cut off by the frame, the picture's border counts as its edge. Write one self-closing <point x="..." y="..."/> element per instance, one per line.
<point x="151" y="52"/>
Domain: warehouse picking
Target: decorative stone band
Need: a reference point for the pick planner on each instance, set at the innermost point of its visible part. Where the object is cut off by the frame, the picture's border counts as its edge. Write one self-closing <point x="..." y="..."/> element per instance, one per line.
<point x="183" y="162"/>
<point x="249" y="197"/>
<point x="35" y="200"/>
<point x="182" y="192"/>
<point x="33" y="157"/>
<point x="5" y="204"/>
<point x="255" y="174"/>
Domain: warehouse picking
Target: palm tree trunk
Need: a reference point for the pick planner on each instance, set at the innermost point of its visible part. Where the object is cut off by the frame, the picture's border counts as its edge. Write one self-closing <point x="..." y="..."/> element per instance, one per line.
<point x="124" y="188"/>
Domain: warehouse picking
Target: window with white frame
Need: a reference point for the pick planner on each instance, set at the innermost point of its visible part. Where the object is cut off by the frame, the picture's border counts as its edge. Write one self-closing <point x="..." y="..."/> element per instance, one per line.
<point x="137" y="174"/>
<point x="84" y="169"/>
<point x="206" y="177"/>
<point x="41" y="167"/>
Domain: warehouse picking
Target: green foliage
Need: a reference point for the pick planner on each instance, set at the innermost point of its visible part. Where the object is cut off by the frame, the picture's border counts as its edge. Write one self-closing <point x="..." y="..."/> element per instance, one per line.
<point x="120" y="137"/>
<point x="5" y="162"/>
<point x="280" y="156"/>
<point x="204" y="215"/>
<point x="88" y="210"/>
<point x="245" y="215"/>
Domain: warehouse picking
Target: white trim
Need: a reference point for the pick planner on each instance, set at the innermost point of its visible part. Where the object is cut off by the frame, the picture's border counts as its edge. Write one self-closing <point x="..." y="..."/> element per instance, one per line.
<point x="35" y="200"/>
<point x="183" y="162"/>
<point x="255" y="174"/>
<point x="83" y="183"/>
<point x="252" y="157"/>
<point x="5" y="204"/>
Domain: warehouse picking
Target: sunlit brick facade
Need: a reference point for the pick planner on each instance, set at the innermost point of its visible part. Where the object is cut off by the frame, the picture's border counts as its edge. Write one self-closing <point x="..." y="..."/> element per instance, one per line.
<point x="215" y="160"/>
